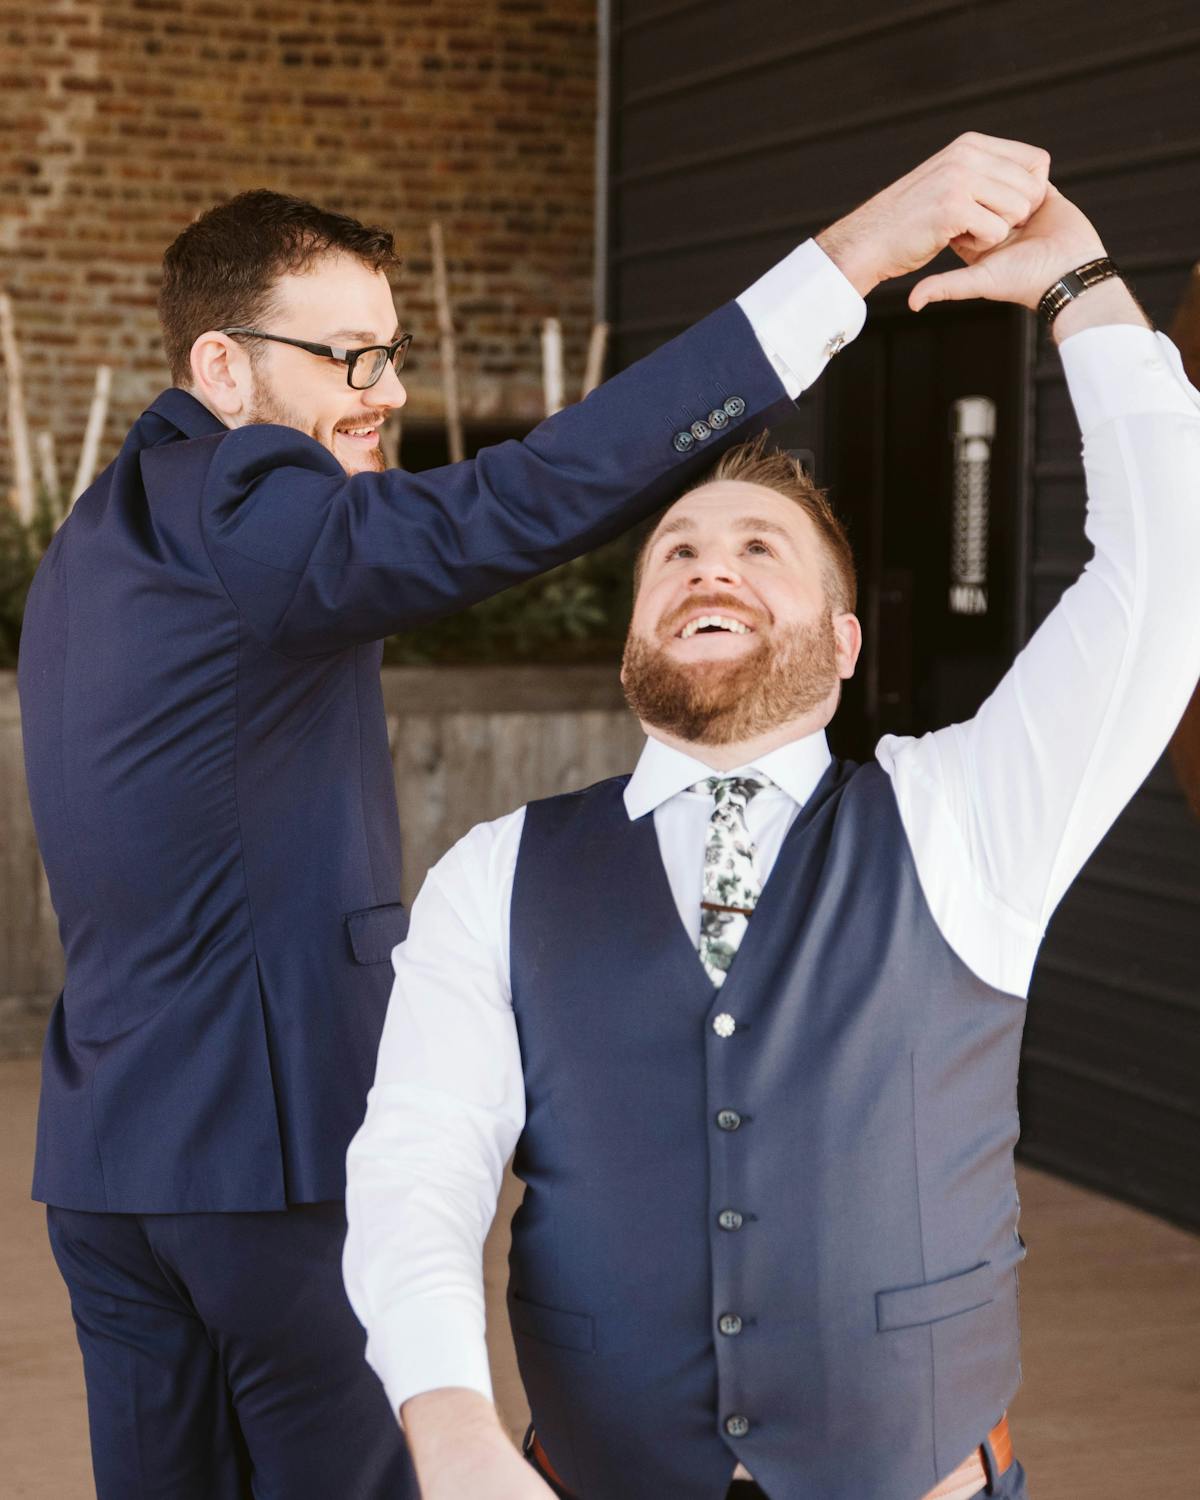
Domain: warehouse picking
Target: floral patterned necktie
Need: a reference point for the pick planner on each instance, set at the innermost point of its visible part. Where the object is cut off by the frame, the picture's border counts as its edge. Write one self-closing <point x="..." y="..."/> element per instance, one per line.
<point x="731" y="884"/>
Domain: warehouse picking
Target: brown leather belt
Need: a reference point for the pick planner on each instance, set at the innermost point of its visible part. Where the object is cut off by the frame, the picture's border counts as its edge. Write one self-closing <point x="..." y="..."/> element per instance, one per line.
<point x="972" y="1470"/>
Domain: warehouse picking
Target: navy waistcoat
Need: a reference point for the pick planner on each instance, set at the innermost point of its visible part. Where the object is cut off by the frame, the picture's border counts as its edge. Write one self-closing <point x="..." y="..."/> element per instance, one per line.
<point x="803" y="1232"/>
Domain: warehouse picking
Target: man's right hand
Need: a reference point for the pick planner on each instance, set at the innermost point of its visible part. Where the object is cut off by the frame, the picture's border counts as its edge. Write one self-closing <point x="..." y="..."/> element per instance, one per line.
<point x="974" y="193"/>
<point x="462" y="1453"/>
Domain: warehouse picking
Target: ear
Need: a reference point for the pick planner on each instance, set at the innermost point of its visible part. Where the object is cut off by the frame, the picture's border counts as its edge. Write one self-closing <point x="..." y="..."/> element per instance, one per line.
<point x="847" y="634"/>
<point x="222" y="377"/>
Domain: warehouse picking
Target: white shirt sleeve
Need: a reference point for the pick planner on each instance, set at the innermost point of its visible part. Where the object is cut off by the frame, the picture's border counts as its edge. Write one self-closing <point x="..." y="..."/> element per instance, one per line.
<point x="447" y="1106"/>
<point x="1002" y="811"/>
<point x="802" y="312"/>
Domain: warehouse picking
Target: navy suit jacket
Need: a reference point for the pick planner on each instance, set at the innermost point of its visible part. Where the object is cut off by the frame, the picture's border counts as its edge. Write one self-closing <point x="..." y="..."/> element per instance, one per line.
<point x="208" y="761"/>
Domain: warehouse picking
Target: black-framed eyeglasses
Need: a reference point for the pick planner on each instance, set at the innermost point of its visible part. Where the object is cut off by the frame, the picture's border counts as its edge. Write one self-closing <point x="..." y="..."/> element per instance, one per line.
<point x="364" y="367"/>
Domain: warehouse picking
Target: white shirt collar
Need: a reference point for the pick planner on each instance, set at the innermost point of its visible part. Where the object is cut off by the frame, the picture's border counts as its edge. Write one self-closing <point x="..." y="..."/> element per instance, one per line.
<point x="663" y="772"/>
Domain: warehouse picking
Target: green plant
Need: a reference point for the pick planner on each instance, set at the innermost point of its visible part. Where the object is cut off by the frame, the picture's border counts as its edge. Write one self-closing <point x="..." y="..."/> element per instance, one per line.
<point x="22" y="544"/>
<point x="577" y="613"/>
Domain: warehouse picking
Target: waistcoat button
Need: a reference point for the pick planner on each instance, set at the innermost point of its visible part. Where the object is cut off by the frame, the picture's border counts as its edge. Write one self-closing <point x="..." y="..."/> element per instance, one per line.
<point x="737" y="1426"/>
<point x="729" y="1218"/>
<point x="728" y="1119"/>
<point x="729" y="1324"/>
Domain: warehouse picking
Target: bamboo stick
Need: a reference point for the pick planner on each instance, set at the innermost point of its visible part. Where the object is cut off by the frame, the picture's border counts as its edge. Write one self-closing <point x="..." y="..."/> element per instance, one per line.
<point x="48" y="469"/>
<point x="449" y="348"/>
<point x="18" y="423"/>
<point x="552" y="365"/>
<point x="593" y="370"/>
<point x="94" y="431"/>
<point x="389" y="440"/>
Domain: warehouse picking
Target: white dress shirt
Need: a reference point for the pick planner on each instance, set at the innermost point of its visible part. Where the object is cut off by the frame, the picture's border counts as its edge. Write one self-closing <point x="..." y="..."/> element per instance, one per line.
<point x="1001" y="812"/>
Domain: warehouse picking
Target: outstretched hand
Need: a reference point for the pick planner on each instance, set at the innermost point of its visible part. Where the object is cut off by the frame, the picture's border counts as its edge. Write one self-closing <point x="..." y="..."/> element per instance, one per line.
<point x="1032" y="256"/>
<point x="970" y="195"/>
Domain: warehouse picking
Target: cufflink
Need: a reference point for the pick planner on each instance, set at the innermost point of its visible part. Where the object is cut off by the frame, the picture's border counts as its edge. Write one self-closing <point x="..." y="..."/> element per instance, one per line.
<point x="835" y="345"/>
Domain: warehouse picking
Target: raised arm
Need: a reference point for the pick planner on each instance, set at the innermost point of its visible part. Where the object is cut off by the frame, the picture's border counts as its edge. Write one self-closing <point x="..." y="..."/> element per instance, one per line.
<point x="1004" y="810"/>
<point x="317" y="561"/>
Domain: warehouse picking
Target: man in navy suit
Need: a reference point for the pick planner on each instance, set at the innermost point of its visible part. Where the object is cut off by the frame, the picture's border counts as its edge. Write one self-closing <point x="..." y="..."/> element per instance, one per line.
<point x="209" y="772"/>
<point x="751" y="1017"/>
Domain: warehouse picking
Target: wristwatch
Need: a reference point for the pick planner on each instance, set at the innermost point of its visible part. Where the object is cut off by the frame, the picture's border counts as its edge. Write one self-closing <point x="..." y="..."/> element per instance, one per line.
<point x="1073" y="285"/>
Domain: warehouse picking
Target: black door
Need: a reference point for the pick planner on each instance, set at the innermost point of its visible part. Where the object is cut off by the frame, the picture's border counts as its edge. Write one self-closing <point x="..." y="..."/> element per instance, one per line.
<point x="924" y="439"/>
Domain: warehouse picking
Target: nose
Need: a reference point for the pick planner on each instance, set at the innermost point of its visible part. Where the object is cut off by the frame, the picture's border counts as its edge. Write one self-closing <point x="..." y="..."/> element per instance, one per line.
<point x="388" y="390"/>
<point x="714" y="568"/>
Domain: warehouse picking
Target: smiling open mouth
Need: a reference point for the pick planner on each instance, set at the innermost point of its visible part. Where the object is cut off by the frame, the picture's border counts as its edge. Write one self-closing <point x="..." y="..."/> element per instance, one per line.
<point x="710" y="624"/>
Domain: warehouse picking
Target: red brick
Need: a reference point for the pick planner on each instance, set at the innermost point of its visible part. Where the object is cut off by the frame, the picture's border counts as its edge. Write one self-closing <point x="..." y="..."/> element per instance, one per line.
<point x="137" y="114"/>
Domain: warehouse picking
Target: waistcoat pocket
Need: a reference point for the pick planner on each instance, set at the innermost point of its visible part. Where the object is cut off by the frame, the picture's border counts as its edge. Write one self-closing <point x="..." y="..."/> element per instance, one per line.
<point x="909" y="1306"/>
<point x="550" y="1325"/>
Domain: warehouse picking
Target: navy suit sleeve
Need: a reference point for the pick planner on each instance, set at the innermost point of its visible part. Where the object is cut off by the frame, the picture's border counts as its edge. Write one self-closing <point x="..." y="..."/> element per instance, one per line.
<point x="316" y="560"/>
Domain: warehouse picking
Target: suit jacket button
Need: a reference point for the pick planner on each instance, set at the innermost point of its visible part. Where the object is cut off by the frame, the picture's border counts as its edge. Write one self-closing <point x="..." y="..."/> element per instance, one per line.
<point x="734" y="406"/>
<point x="718" y="418"/>
<point x="683" y="441"/>
<point x="728" y="1119"/>
<point x="737" y="1426"/>
<point x="730" y="1219"/>
<point x="701" y="430"/>
<point x="729" y="1324"/>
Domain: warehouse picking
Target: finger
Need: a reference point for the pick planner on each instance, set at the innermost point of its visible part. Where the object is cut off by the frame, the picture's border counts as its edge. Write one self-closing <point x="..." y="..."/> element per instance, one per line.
<point x="948" y="286"/>
<point x="1012" y="204"/>
<point x="1032" y="187"/>
<point x="982" y="229"/>
<point x="1033" y="158"/>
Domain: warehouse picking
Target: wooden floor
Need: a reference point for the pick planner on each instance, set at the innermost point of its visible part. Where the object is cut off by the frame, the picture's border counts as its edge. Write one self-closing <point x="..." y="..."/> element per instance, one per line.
<point x="1110" y="1305"/>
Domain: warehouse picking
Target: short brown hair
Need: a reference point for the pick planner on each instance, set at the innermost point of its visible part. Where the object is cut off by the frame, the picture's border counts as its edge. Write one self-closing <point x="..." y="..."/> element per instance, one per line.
<point x="221" y="271"/>
<point x="753" y="463"/>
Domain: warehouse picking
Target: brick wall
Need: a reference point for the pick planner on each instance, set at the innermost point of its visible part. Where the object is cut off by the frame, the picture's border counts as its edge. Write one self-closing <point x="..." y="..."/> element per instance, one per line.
<point x="121" y="119"/>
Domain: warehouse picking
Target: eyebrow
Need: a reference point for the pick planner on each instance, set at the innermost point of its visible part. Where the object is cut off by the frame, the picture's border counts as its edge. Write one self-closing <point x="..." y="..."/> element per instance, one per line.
<point x="743" y="523"/>
<point x="357" y="335"/>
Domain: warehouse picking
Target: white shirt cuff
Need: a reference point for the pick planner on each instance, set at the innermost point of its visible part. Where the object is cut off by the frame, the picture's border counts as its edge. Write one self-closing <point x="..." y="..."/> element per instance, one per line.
<point x="1120" y="370"/>
<point x="427" y="1346"/>
<point x="802" y="312"/>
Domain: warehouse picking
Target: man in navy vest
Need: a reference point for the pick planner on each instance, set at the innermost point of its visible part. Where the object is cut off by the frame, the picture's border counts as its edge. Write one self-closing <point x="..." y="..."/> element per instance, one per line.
<point x="751" y="1017"/>
<point x="208" y="766"/>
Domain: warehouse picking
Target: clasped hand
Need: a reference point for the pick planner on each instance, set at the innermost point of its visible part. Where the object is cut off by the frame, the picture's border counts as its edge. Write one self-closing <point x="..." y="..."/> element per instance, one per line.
<point x="991" y="201"/>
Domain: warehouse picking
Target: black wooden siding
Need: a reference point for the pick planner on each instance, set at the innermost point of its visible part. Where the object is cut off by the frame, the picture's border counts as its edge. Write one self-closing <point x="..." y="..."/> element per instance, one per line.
<point x="740" y="128"/>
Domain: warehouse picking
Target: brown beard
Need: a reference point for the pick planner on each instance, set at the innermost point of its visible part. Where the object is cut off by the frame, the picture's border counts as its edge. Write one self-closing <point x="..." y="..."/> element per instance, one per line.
<point x="268" y="407"/>
<point x="726" y="702"/>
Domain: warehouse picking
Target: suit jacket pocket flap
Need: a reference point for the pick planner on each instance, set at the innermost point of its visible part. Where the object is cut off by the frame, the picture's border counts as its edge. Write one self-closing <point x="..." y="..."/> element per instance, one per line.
<point x="566" y="1330"/>
<point x="908" y="1306"/>
<point x="375" y="931"/>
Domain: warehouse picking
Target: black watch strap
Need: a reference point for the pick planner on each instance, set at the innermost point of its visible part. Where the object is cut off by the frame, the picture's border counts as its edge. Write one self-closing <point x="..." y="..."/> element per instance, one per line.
<point x="1073" y="284"/>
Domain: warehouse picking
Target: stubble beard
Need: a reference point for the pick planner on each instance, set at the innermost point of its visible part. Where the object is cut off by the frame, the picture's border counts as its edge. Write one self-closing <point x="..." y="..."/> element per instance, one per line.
<point x="269" y="407"/>
<point x="725" y="702"/>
